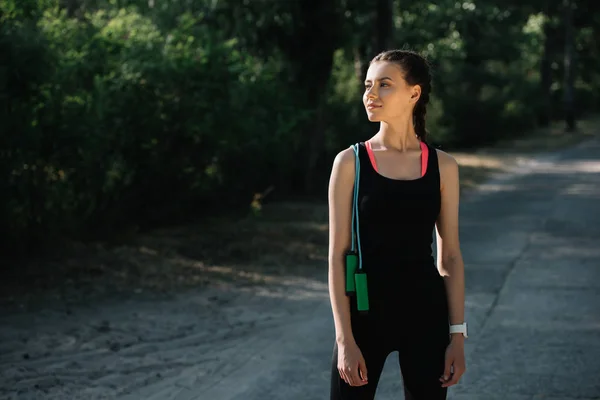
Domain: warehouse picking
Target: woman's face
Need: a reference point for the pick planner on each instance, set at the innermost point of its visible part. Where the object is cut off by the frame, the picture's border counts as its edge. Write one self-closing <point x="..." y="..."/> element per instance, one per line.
<point x="387" y="95"/>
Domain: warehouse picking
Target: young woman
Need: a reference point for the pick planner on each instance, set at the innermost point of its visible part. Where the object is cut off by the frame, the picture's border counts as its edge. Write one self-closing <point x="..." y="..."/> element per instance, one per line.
<point x="406" y="189"/>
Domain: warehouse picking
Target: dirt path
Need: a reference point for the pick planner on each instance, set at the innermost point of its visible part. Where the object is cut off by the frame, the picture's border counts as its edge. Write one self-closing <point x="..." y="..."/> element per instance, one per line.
<point x="110" y="350"/>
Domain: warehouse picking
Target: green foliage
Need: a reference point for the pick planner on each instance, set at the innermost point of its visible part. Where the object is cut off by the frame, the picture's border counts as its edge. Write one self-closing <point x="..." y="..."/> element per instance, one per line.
<point x="131" y="124"/>
<point x="131" y="112"/>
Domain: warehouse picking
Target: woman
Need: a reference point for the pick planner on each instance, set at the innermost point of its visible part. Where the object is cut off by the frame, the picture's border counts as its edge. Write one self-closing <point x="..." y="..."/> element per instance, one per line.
<point x="406" y="189"/>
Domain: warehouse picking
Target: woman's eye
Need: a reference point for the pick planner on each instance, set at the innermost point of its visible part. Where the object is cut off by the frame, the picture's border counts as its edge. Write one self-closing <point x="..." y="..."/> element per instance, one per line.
<point x="367" y="87"/>
<point x="384" y="84"/>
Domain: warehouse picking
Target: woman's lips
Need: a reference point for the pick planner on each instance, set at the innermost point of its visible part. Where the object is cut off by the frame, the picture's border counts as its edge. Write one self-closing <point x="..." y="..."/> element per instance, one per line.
<point x="372" y="106"/>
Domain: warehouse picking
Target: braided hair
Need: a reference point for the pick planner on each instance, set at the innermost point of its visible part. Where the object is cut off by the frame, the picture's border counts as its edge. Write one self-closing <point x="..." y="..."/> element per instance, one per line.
<point x="416" y="72"/>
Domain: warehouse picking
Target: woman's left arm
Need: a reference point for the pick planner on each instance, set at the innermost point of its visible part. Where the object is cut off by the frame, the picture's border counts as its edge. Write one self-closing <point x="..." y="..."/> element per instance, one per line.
<point x="450" y="265"/>
<point x="449" y="258"/>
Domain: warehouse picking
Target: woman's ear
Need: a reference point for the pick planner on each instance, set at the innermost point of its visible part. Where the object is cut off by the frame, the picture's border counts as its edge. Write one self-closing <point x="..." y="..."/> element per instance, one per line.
<point x="415" y="93"/>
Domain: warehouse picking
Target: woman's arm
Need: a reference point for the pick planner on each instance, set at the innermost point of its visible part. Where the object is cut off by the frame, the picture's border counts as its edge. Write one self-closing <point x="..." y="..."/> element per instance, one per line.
<point x="341" y="186"/>
<point x="449" y="258"/>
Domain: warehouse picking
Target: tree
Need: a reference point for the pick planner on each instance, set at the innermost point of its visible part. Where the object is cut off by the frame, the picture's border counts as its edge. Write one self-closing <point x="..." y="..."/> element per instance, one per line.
<point x="569" y="67"/>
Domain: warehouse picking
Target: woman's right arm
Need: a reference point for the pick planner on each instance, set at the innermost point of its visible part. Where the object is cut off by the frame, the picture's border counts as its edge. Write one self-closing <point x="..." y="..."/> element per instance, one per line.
<point x="341" y="186"/>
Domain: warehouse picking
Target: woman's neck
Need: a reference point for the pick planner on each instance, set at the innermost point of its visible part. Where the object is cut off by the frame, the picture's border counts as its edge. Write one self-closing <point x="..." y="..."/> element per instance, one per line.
<point x="400" y="137"/>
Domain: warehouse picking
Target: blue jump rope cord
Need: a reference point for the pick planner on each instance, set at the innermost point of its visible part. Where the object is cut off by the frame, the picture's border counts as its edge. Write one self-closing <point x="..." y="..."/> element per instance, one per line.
<point x="355" y="207"/>
<point x="356" y="166"/>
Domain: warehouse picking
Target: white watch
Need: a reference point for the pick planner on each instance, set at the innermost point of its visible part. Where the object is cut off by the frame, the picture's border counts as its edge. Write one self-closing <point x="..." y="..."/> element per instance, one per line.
<point x="460" y="328"/>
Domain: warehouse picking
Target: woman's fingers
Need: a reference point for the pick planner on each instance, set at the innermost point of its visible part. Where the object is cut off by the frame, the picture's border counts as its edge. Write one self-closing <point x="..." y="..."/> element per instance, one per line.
<point x="454" y="365"/>
<point x="354" y="373"/>
<point x="457" y="373"/>
<point x="453" y="381"/>
<point x="447" y="369"/>
<point x="346" y="374"/>
<point x="354" y="378"/>
<point x="351" y="377"/>
<point x="343" y="375"/>
<point x="362" y="369"/>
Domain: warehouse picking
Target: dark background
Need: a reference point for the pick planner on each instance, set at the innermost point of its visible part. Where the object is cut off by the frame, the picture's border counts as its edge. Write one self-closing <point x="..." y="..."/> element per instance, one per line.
<point x="124" y="115"/>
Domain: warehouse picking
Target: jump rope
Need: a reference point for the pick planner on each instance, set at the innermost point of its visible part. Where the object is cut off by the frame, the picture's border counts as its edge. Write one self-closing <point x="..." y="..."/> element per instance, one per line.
<point x="356" y="277"/>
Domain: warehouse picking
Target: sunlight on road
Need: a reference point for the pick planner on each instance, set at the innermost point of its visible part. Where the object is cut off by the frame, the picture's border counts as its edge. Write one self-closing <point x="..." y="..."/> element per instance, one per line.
<point x="564" y="167"/>
<point x="582" y="189"/>
<point x="285" y="286"/>
<point x="497" y="187"/>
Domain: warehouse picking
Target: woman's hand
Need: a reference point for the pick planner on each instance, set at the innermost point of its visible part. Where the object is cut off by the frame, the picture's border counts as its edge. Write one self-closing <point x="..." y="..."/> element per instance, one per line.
<point x="351" y="364"/>
<point x="455" y="361"/>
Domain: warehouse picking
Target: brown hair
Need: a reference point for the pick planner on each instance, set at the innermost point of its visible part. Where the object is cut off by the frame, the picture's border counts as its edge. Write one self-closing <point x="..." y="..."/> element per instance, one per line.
<point x="416" y="72"/>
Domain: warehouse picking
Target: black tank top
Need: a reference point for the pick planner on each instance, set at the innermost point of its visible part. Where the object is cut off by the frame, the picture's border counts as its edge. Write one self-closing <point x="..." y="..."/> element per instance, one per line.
<point x="396" y="224"/>
<point x="397" y="218"/>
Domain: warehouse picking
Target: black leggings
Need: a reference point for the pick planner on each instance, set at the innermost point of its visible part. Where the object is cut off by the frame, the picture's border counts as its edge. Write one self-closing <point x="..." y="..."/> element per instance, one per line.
<point x="421" y="371"/>
<point x="421" y="338"/>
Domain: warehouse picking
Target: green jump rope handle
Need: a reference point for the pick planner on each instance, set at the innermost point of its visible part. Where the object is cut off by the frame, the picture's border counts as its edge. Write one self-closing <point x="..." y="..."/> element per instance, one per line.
<point x="362" y="293"/>
<point x="356" y="278"/>
<point x="351" y="264"/>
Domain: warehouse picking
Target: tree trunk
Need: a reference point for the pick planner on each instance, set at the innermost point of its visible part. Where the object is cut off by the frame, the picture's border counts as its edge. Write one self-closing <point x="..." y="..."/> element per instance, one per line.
<point x="319" y="34"/>
<point x="361" y="64"/>
<point x="569" y="99"/>
<point x="546" y="73"/>
<point x="385" y="25"/>
<point x="382" y="35"/>
<point x="470" y="124"/>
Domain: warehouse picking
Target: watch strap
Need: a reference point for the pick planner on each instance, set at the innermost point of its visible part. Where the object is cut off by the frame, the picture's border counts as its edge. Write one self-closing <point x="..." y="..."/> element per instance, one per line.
<point x="459" y="328"/>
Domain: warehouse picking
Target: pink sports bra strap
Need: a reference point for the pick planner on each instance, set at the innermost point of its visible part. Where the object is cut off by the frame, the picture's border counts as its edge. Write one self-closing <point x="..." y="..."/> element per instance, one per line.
<point x="371" y="155"/>
<point x="424" y="157"/>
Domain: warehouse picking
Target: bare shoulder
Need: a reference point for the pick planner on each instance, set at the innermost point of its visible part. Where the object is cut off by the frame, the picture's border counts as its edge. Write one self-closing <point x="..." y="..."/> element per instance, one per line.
<point x="345" y="156"/>
<point x="342" y="177"/>
<point x="445" y="160"/>
<point x="344" y="161"/>
<point x="448" y="169"/>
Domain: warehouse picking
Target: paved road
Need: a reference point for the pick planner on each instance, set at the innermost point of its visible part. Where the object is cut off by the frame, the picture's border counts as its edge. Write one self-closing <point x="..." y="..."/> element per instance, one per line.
<point x="530" y="243"/>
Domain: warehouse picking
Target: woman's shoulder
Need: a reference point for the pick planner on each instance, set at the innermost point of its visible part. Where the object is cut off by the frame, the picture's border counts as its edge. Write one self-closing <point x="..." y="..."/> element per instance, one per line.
<point x="448" y="166"/>
<point x="345" y="158"/>
<point x="343" y="169"/>
<point x="445" y="160"/>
